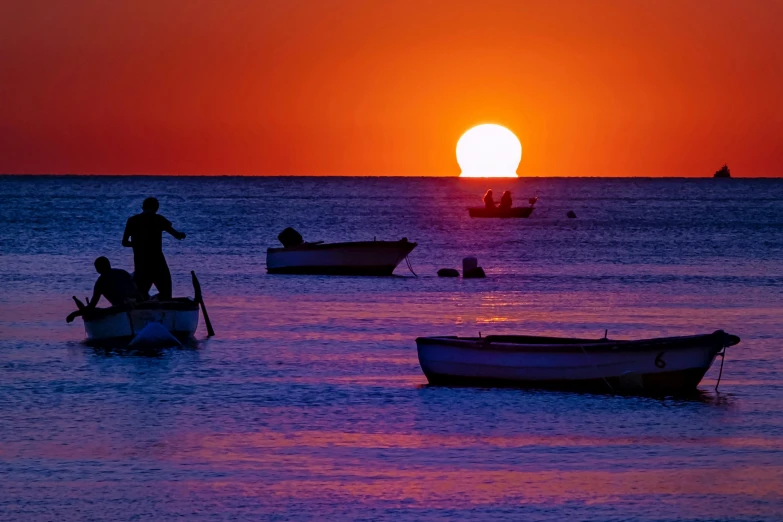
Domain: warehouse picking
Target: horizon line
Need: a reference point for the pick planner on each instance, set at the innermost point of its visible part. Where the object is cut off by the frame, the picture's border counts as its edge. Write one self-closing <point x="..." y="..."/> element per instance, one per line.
<point x="160" y="175"/>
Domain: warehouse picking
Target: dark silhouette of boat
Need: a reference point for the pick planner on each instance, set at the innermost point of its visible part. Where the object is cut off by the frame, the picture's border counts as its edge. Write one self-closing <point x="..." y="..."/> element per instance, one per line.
<point x="178" y="315"/>
<point x="663" y="366"/>
<point x="514" y="212"/>
<point x="497" y="212"/>
<point x="366" y="258"/>
<point x="723" y="172"/>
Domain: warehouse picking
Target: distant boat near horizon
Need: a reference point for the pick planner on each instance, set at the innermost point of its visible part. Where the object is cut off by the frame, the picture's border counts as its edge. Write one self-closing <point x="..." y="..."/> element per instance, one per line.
<point x="723" y="172"/>
<point x="497" y="212"/>
<point x="514" y="212"/>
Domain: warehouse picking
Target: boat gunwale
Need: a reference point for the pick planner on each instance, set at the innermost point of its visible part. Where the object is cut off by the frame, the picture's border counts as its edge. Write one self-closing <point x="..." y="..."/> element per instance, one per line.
<point x="575" y="345"/>
<point x="304" y="247"/>
<point x="178" y="304"/>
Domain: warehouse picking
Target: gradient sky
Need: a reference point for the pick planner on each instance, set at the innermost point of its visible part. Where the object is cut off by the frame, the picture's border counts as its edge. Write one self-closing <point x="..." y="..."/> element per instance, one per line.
<point x="591" y="88"/>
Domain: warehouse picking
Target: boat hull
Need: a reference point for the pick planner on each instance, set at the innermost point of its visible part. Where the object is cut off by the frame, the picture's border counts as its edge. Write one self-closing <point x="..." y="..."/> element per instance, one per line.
<point x="367" y="258"/>
<point x="515" y="212"/>
<point x="668" y="366"/>
<point x="180" y="318"/>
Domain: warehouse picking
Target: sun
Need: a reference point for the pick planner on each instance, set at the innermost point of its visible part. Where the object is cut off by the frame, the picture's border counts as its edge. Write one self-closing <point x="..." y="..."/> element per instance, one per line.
<point x="489" y="151"/>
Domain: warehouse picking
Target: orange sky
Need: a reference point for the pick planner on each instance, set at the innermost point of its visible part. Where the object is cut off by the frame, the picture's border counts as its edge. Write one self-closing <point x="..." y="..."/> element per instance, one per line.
<point x="596" y="88"/>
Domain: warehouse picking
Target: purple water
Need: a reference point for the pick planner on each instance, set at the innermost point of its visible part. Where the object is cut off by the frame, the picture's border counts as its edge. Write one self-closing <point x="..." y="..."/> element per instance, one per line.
<point x="309" y="403"/>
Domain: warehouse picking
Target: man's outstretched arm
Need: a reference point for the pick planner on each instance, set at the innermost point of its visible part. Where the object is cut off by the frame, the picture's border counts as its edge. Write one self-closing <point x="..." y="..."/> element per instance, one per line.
<point x="93" y="302"/>
<point x="174" y="232"/>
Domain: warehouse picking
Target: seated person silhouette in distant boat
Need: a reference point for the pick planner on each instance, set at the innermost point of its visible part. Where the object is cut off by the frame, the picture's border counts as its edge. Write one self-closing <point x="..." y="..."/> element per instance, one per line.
<point x="505" y="200"/>
<point x="114" y="284"/>
<point x="144" y="233"/>
<point x="489" y="202"/>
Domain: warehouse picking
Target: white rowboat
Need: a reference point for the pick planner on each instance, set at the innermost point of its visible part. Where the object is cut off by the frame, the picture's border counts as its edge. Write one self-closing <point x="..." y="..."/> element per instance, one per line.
<point x="368" y="258"/>
<point x="672" y="365"/>
<point x="179" y="316"/>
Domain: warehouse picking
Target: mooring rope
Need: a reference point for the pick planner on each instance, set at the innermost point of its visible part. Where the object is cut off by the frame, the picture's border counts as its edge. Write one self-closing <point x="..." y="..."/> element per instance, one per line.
<point x="410" y="267"/>
<point x="722" y="360"/>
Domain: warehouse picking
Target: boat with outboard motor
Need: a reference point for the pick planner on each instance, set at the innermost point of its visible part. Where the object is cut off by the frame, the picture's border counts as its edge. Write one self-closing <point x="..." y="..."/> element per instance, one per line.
<point x="663" y="366"/>
<point x="179" y="316"/>
<point x="364" y="258"/>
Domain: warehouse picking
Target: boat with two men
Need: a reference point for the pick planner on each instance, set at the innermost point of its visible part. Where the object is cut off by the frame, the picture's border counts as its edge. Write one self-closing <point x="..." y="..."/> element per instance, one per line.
<point x="151" y="322"/>
<point x="502" y="212"/>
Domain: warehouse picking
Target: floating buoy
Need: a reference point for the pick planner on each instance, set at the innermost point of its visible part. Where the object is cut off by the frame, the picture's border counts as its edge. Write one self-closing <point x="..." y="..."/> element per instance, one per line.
<point x="448" y="272"/>
<point x="470" y="268"/>
<point x="474" y="273"/>
<point x="154" y="335"/>
<point x="571" y="214"/>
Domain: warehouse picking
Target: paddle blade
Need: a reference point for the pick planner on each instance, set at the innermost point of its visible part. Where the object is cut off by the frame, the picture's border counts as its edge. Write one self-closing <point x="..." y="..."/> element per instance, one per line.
<point x="200" y="300"/>
<point x="196" y="286"/>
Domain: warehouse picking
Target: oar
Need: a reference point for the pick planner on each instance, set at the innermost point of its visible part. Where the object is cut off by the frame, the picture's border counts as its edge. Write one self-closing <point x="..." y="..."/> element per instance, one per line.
<point x="200" y="300"/>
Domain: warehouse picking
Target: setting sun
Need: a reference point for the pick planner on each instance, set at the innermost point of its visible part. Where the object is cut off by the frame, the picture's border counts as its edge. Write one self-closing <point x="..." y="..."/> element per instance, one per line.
<point x="489" y="151"/>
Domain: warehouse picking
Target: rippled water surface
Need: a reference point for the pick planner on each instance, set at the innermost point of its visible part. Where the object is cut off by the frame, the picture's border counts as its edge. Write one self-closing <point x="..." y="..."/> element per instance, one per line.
<point x="309" y="403"/>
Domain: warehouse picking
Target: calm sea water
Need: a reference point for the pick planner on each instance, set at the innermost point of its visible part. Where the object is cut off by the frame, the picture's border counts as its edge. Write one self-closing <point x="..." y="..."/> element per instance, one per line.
<point x="309" y="402"/>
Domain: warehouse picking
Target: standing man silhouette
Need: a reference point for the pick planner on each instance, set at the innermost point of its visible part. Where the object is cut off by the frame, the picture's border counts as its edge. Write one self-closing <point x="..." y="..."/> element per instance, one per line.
<point x="144" y="233"/>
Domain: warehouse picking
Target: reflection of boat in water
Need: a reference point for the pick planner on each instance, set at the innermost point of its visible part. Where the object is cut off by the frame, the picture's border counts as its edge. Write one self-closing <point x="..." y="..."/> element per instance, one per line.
<point x="672" y="365"/>
<point x="366" y="258"/>
<point x="497" y="212"/>
<point x="723" y="172"/>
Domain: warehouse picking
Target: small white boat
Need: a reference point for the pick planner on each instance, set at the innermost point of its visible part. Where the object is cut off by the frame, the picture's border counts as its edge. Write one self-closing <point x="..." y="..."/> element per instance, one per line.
<point x="366" y="258"/>
<point x="178" y="316"/>
<point x="665" y="366"/>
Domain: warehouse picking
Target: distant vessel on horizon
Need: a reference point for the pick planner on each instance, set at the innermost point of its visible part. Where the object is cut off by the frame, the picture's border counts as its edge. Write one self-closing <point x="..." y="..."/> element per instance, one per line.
<point x="723" y="172"/>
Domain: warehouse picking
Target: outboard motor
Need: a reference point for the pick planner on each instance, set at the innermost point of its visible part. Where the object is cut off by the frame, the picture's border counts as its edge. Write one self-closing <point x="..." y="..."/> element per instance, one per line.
<point x="290" y="238"/>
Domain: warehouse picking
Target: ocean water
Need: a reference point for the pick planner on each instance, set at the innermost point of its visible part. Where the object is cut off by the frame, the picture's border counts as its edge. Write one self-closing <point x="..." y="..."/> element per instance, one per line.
<point x="310" y="404"/>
